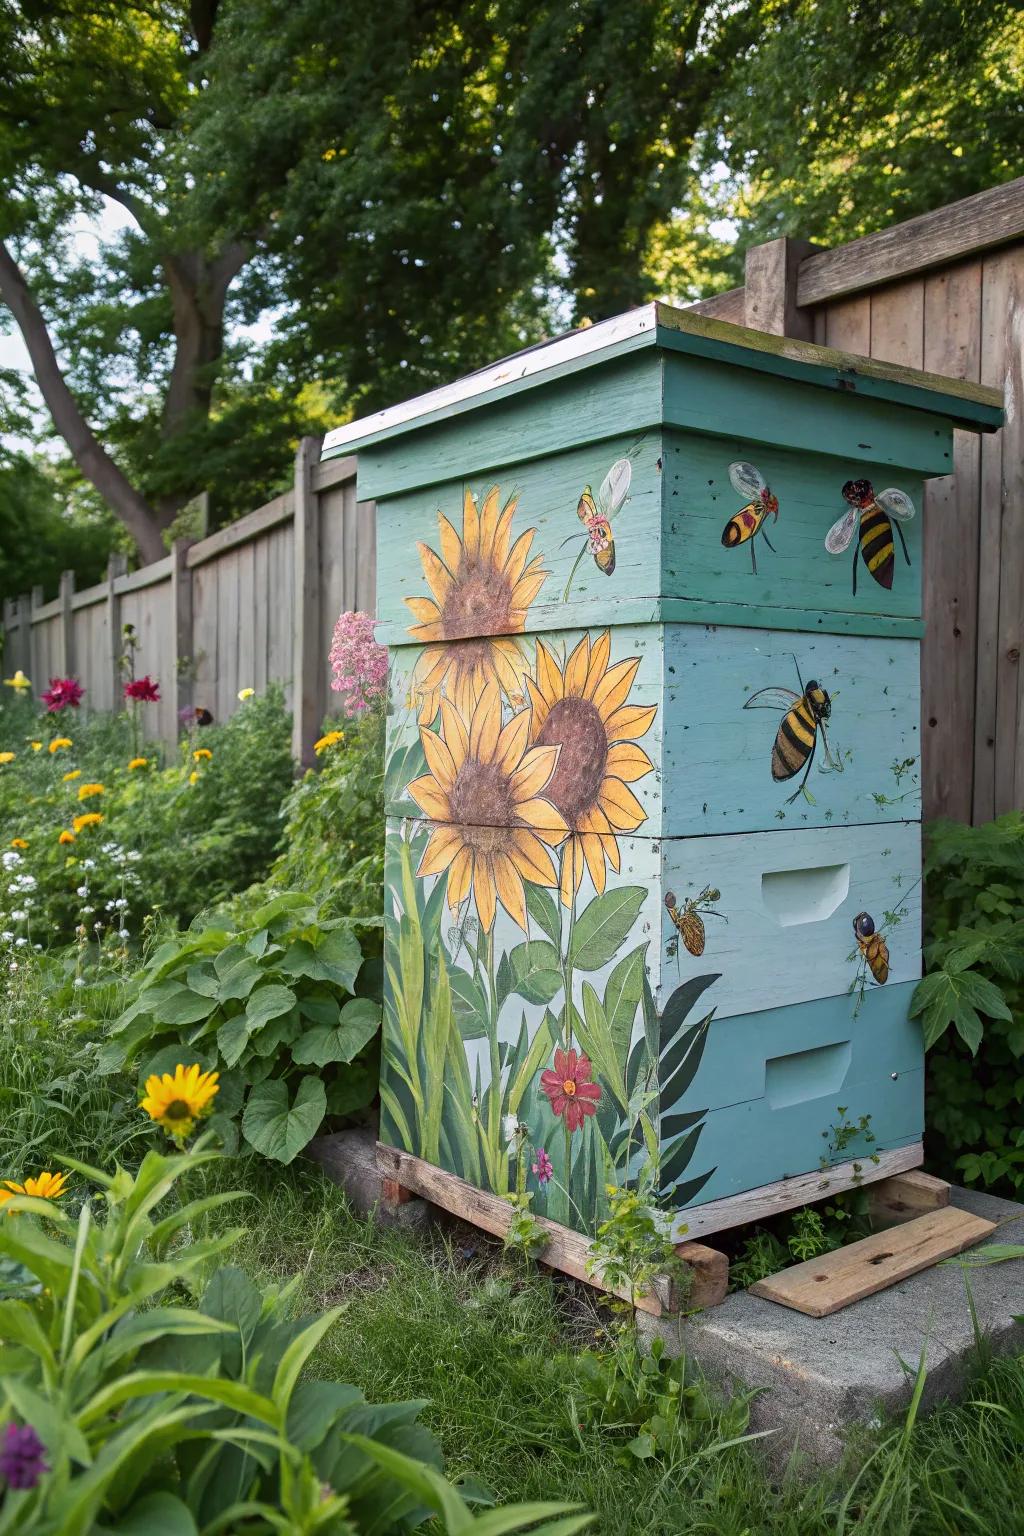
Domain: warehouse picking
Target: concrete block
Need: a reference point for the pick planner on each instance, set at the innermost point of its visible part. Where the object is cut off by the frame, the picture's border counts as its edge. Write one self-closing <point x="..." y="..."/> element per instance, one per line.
<point x="822" y="1378"/>
<point x="349" y="1159"/>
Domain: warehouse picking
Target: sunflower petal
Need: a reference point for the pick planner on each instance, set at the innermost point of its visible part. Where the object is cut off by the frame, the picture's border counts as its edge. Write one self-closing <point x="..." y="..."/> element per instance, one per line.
<point x="451" y="544"/>
<point x="455" y="734"/>
<point x="614" y="687"/>
<point x="631" y="721"/>
<point x="515" y="565"/>
<point x="444" y="844"/>
<point x="534" y="772"/>
<point x="527" y="587"/>
<point x="470" y="526"/>
<point x="593" y="852"/>
<point x="531" y="858"/>
<point x="503" y="532"/>
<point x="483" y="890"/>
<point x="430" y="798"/>
<point x="439" y="759"/>
<point x="627" y="762"/>
<point x="576" y="668"/>
<point x="599" y="654"/>
<point x="488" y="525"/>
<point x="543" y="818"/>
<point x="539" y="708"/>
<point x="512" y="742"/>
<point x="485" y="725"/>
<point x="621" y="806"/>
<point x="460" y="876"/>
<point x="423" y="609"/>
<point x="509" y="885"/>
<point x="549" y="678"/>
<point x="439" y="577"/>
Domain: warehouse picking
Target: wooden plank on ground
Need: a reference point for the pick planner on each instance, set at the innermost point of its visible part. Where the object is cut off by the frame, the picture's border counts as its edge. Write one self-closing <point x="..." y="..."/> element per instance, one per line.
<point x="826" y="1284"/>
<point x="933" y="239"/>
<point x="566" y="1250"/>
<point x="905" y="1196"/>
<point x="709" y="1275"/>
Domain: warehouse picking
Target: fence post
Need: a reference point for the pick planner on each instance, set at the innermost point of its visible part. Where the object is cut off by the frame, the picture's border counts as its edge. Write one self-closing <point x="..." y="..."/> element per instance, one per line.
<point x="770" y="289"/>
<point x="35" y="601"/>
<point x="116" y="566"/>
<point x="306" y="658"/>
<point x="67" y="623"/>
<point x="181" y="604"/>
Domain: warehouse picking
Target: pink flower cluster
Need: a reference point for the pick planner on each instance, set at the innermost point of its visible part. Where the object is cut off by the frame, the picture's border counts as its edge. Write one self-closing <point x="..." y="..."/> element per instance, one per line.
<point x="359" y="666"/>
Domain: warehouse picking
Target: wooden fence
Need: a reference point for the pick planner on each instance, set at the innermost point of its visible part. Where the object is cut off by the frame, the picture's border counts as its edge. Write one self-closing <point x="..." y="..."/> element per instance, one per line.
<point x="251" y="604"/>
<point x="943" y="292"/>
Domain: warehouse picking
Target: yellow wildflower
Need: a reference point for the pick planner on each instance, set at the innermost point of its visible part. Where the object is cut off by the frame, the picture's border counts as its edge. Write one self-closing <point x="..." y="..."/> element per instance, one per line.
<point x="66" y="837"/>
<point x="6" y="757"/>
<point x="60" y="741"/>
<point x="90" y="819"/>
<point x="18" y="842"/>
<point x="46" y="1186"/>
<point x="68" y="778"/>
<point x="138" y="762"/>
<point x="36" y="746"/>
<point x="86" y="791"/>
<point x="330" y="740"/>
<point x="19" y="681"/>
<point x="193" y="777"/>
<point x="246" y="693"/>
<point x="178" y="1102"/>
<point x="202" y="754"/>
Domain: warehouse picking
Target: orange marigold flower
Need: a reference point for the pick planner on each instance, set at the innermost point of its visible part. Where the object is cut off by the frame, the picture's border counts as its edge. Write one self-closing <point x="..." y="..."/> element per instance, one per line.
<point x="18" y="842"/>
<point x="69" y="778"/>
<point x="86" y="791"/>
<point x="60" y="741"/>
<point x="66" y="837"/>
<point x="90" y="819"/>
<point x="138" y="762"/>
<point x="202" y="754"/>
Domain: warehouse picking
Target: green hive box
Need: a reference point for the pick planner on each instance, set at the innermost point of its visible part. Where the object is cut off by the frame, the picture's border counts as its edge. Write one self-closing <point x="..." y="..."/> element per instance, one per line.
<point x="653" y="598"/>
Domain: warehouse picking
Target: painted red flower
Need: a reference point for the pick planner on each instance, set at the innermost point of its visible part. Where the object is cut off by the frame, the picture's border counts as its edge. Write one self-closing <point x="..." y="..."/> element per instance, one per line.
<point x="63" y="693"/>
<point x="569" y="1088"/>
<point x="143" y="688"/>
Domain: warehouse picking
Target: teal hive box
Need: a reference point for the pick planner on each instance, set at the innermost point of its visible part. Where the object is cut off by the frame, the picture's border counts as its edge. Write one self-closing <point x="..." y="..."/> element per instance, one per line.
<point x="653" y="746"/>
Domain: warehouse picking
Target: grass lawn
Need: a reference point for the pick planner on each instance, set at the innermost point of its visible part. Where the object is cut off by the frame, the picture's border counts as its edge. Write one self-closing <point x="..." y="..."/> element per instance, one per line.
<point x="500" y="1355"/>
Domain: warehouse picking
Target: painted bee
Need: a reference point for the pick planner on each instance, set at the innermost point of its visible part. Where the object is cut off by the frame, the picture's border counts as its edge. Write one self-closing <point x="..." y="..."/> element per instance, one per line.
<point x="797" y="736"/>
<point x="688" y="920"/>
<point x="873" y="948"/>
<point x="874" y="514"/>
<point x="750" y="520"/>
<point x="596" y="515"/>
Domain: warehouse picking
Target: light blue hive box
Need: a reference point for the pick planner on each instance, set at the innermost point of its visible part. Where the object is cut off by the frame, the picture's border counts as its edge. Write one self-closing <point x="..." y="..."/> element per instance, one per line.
<point x="590" y="668"/>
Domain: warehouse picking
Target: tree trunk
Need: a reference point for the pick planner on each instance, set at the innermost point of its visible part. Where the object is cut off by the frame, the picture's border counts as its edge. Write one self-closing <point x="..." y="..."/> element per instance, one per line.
<point x="88" y="452"/>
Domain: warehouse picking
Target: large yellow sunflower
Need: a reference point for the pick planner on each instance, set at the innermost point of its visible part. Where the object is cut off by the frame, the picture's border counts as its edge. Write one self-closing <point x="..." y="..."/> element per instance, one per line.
<point x="481" y="590"/>
<point x="484" y="788"/>
<point x="582" y="708"/>
<point x="178" y="1102"/>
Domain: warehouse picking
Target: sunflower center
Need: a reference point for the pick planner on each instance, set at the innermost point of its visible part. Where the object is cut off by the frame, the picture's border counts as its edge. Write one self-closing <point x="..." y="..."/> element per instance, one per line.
<point x="569" y="1088"/>
<point x="479" y="603"/>
<point x="576" y="726"/>
<point x="177" y="1109"/>
<point x="482" y="797"/>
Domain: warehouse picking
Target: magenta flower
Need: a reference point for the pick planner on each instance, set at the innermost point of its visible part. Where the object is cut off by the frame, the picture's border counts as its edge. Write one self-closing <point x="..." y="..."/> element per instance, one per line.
<point x="144" y="688"/>
<point x="63" y="693"/>
<point x="21" y="1457"/>
<point x="543" y="1167"/>
<point x="359" y="666"/>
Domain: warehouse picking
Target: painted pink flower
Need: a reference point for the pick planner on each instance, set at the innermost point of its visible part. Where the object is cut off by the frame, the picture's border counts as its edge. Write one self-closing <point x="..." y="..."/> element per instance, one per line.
<point x="543" y="1167"/>
<point x="569" y="1088"/>
<point x="359" y="666"/>
<point x="144" y="688"/>
<point x="63" y="693"/>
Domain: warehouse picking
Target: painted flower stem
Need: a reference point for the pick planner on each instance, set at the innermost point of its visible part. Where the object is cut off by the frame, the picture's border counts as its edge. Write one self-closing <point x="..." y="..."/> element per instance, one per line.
<point x="499" y="1164"/>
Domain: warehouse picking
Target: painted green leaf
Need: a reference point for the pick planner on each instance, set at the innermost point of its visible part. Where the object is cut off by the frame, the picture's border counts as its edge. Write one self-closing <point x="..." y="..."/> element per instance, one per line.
<point x="679" y="1065"/>
<point x="530" y="1063"/>
<point x="279" y="1128"/>
<point x="675" y="1158"/>
<point x="596" y="1039"/>
<point x="357" y="1024"/>
<point x="267" y="1003"/>
<point x="603" y="925"/>
<point x="534" y="971"/>
<point x="682" y="1194"/>
<point x="543" y="908"/>
<point x="468" y="1004"/>
<point x="621" y="998"/>
<point x="674" y="1125"/>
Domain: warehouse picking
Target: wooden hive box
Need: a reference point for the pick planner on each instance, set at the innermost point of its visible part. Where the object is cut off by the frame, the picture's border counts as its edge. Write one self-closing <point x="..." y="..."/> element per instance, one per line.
<point x="649" y="758"/>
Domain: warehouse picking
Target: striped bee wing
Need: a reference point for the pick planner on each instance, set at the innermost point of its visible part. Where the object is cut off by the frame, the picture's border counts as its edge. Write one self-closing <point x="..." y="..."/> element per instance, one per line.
<point x="839" y="535"/>
<point x="772" y="698"/>
<point x="585" y="508"/>
<point x="615" y="487"/>
<point x="747" y="479"/>
<point x="897" y="503"/>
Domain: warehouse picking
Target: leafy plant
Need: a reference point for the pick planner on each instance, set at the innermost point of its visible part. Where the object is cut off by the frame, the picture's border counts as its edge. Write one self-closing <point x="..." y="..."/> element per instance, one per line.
<point x="282" y="1002"/>
<point x="634" y="1246"/>
<point x="974" y="951"/>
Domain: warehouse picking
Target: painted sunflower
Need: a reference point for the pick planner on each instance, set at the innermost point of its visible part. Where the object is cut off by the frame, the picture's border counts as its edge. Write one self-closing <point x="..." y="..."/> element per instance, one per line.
<point x="481" y="585"/>
<point x="582" y="708"/>
<point x="178" y="1102"/>
<point x="484" y="787"/>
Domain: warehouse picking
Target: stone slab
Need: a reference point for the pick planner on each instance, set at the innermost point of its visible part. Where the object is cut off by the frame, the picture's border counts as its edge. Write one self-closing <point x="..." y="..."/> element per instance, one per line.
<point x="823" y="1378"/>
<point x="349" y="1159"/>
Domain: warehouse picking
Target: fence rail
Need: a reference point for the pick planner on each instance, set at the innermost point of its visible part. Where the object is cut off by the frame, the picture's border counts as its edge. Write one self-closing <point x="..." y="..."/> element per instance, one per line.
<point x="235" y="610"/>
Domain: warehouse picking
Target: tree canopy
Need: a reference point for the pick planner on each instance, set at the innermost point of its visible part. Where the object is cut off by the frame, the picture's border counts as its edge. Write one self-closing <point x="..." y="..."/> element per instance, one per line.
<point x="401" y="193"/>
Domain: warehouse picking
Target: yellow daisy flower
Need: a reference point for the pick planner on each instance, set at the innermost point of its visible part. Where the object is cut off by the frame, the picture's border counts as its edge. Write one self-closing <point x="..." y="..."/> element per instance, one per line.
<point x="45" y="1186"/>
<point x="60" y="741"/>
<point x="87" y="791"/>
<point x="330" y="740"/>
<point x="18" y="842"/>
<point x="178" y="1102"/>
<point x="481" y="589"/>
<point x="246" y="693"/>
<point x="18" y="682"/>
<point x="36" y="746"/>
<point x="582" y="708"/>
<point x="89" y="819"/>
<point x="202" y="755"/>
<point x="484" y="786"/>
<point x="66" y="837"/>
<point x="138" y="762"/>
<point x="193" y="777"/>
<point x="69" y="778"/>
<point x="7" y="757"/>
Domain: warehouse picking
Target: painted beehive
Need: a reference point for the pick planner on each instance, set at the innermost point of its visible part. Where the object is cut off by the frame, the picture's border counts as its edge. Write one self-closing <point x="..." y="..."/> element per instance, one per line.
<point x="653" y="598"/>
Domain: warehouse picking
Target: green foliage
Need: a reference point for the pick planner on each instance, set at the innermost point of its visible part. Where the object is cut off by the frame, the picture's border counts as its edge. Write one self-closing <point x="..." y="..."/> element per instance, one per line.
<point x="974" y="951"/>
<point x="280" y="1001"/>
<point x="155" y="1415"/>
<point x="332" y="844"/>
<point x="43" y="532"/>
<point x="634" y="1246"/>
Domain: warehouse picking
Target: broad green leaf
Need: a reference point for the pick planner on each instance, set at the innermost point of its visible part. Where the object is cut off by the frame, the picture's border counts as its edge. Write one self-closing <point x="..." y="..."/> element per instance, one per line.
<point x="232" y="1038"/>
<point x="468" y="1004"/>
<point x="357" y="1024"/>
<point x="318" y="1008"/>
<point x="186" y="1007"/>
<point x="268" y="1002"/>
<point x="543" y="908"/>
<point x="239" y="980"/>
<point x="603" y="926"/>
<point x="203" y="979"/>
<point x="314" y="1407"/>
<point x="621" y="1000"/>
<point x="354" y="1089"/>
<point x="279" y="1128"/>
<point x="534" y="970"/>
<point x="156" y="1514"/>
<point x="956" y="998"/>
<point x="596" y="1040"/>
<point x="336" y="958"/>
